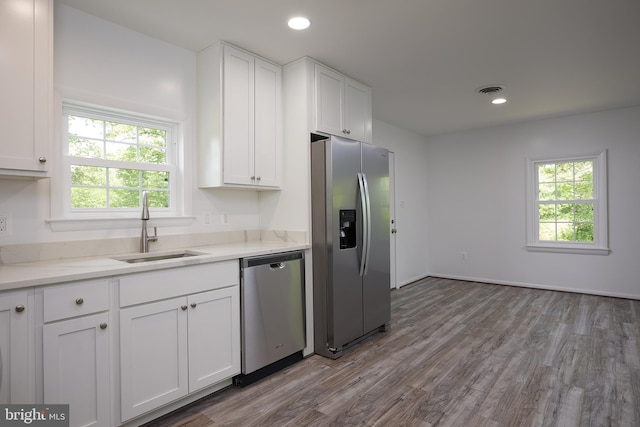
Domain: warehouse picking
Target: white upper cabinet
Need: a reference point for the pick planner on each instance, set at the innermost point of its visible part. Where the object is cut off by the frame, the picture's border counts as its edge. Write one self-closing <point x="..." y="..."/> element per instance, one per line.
<point x="342" y="105"/>
<point x="268" y="123"/>
<point x="26" y="35"/>
<point x="239" y="119"/>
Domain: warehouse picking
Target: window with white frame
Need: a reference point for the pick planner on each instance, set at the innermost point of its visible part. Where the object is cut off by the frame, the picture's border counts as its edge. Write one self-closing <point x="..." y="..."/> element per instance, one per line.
<point x="111" y="158"/>
<point x="568" y="204"/>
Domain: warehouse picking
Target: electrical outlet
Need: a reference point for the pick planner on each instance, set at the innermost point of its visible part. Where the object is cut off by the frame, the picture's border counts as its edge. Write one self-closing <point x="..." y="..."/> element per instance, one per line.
<point x="4" y="223"/>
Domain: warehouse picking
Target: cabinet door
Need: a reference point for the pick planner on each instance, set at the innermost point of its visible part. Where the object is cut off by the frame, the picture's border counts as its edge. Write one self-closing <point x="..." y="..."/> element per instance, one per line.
<point x="329" y="93"/>
<point x="15" y="348"/>
<point x="268" y="123"/>
<point x="238" y="121"/>
<point x="214" y="337"/>
<point x="25" y="38"/>
<point x="357" y="110"/>
<point x="153" y="355"/>
<point x="76" y="368"/>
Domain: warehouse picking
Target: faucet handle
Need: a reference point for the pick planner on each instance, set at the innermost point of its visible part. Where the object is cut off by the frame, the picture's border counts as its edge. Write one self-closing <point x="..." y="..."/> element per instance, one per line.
<point x="153" y="238"/>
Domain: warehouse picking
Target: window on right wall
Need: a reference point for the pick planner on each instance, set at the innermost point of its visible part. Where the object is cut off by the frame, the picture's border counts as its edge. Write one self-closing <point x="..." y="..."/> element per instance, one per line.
<point x="567" y="204"/>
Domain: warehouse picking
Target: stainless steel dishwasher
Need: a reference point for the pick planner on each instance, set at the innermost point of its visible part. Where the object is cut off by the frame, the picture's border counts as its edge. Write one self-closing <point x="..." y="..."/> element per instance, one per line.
<point x="272" y="313"/>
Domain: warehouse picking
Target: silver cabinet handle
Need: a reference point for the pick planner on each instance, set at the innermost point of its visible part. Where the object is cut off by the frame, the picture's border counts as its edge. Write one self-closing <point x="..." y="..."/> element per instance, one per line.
<point x="19" y="308"/>
<point x="79" y="301"/>
<point x="103" y="325"/>
<point x="184" y="307"/>
<point x="42" y="160"/>
<point x="193" y="304"/>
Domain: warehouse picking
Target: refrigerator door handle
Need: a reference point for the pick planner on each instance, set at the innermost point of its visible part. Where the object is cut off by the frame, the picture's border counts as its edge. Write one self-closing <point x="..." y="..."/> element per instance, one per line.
<point x="367" y="222"/>
<point x="365" y="237"/>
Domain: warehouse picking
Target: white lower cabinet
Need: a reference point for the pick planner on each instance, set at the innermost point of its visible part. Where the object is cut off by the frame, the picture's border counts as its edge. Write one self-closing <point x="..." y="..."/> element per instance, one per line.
<point x="153" y="355"/>
<point x="16" y="349"/>
<point x="148" y="340"/>
<point x="178" y="345"/>
<point x="76" y="350"/>
<point x="214" y="337"/>
<point x="76" y="368"/>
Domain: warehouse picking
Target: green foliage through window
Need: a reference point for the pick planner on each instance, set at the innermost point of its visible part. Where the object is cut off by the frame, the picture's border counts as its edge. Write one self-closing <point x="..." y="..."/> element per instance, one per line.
<point x="565" y="201"/>
<point x="112" y="163"/>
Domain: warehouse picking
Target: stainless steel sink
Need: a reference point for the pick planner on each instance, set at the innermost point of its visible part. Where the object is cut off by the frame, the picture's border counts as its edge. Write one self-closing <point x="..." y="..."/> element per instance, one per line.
<point x="132" y="259"/>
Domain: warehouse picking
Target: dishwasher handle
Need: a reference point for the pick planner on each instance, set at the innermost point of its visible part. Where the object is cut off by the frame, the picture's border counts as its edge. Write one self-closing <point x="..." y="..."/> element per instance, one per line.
<point x="271" y="259"/>
<point x="276" y="266"/>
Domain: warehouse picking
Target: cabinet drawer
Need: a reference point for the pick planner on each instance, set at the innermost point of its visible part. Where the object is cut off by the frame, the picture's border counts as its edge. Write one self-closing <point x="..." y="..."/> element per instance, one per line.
<point x="152" y="286"/>
<point x="75" y="299"/>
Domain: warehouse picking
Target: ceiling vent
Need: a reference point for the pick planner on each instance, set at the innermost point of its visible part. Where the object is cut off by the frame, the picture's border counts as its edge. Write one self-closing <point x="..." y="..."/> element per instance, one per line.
<point x="491" y="89"/>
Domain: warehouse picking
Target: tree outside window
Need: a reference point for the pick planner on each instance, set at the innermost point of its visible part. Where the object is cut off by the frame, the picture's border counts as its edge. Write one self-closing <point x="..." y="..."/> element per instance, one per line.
<point x="567" y="204"/>
<point x="111" y="161"/>
<point x="565" y="201"/>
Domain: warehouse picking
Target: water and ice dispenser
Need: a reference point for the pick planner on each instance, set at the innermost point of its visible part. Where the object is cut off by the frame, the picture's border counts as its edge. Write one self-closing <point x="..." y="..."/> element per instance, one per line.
<point x="347" y="228"/>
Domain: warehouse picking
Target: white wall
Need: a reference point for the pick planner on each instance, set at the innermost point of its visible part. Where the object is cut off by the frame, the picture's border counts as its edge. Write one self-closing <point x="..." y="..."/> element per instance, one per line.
<point x="476" y="188"/>
<point x="411" y="155"/>
<point x="101" y="63"/>
<point x="290" y="209"/>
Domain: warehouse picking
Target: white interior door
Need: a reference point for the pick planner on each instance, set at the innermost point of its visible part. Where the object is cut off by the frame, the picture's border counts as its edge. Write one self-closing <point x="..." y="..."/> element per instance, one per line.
<point x="392" y="217"/>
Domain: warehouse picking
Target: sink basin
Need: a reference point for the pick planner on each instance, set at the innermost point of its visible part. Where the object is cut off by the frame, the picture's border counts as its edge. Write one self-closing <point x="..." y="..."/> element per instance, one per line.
<point x="132" y="259"/>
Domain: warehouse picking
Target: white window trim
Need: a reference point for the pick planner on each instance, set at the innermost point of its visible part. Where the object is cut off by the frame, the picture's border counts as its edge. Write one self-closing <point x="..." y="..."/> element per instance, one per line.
<point x="600" y="245"/>
<point x="63" y="219"/>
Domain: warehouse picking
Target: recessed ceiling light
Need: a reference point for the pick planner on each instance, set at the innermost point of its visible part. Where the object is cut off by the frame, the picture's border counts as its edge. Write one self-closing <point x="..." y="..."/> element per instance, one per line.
<point x="299" y="23"/>
<point x="496" y="93"/>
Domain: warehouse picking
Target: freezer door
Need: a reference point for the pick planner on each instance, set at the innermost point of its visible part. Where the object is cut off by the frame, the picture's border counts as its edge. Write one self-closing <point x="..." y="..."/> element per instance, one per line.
<point x="376" y="282"/>
<point x="344" y="293"/>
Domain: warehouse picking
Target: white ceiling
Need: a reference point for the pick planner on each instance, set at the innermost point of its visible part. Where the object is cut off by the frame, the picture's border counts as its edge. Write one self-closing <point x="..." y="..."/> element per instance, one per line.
<point x="425" y="59"/>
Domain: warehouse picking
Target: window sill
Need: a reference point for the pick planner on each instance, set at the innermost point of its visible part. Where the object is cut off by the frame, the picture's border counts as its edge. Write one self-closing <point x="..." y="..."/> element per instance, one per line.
<point x="569" y="249"/>
<point x="87" y="224"/>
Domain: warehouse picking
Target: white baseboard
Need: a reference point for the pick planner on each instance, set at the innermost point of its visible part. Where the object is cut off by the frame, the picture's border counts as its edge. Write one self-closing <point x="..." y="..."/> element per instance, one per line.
<point x="536" y="286"/>
<point x="409" y="281"/>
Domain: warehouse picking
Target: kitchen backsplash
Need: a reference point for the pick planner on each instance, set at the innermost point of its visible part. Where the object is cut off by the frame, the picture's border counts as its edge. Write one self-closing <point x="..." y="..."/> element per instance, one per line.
<point x="30" y="252"/>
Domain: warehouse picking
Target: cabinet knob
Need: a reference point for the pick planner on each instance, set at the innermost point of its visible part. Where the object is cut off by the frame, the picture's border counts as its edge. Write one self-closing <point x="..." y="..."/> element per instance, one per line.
<point x="347" y="131"/>
<point x="42" y="160"/>
<point x="258" y="178"/>
<point x="193" y="304"/>
<point x="79" y="301"/>
<point x="184" y="307"/>
<point x="103" y="325"/>
<point x="253" y="177"/>
<point x="19" y="308"/>
<point x="394" y="231"/>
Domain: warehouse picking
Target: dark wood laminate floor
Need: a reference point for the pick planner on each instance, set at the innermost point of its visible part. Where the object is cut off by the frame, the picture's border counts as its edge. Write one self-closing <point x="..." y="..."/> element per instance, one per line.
<point x="459" y="354"/>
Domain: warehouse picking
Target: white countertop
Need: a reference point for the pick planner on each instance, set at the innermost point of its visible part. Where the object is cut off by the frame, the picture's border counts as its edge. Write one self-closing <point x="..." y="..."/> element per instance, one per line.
<point x="28" y="274"/>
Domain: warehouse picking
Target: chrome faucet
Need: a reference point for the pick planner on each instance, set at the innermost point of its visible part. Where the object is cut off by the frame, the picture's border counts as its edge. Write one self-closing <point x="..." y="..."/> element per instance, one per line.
<point x="144" y="237"/>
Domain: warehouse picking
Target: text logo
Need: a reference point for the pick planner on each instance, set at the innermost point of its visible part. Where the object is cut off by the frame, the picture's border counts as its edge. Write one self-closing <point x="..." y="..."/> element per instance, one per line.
<point x="34" y="415"/>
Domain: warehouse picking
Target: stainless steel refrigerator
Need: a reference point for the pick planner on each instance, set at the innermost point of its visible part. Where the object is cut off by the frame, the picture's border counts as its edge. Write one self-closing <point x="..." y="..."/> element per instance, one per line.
<point x="350" y="242"/>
